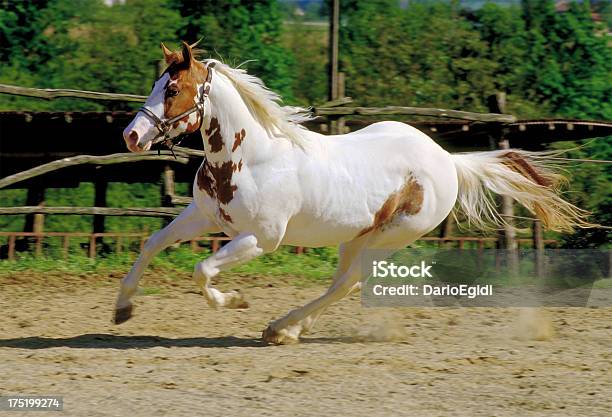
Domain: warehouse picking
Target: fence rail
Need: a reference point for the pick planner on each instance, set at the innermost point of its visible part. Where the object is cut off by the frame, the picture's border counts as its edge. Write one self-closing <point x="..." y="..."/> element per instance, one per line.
<point x="104" y="211"/>
<point x="326" y="109"/>
<point x="53" y="93"/>
<point x="415" y="111"/>
<point x="178" y="155"/>
<point x="215" y="241"/>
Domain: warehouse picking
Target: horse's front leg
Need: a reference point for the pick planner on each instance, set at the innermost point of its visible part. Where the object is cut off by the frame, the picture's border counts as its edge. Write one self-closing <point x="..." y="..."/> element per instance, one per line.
<point x="241" y="249"/>
<point x="188" y="225"/>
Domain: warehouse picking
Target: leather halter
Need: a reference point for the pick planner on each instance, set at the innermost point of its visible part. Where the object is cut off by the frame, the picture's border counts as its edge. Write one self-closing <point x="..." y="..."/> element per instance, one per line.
<point x="164" y="125"/>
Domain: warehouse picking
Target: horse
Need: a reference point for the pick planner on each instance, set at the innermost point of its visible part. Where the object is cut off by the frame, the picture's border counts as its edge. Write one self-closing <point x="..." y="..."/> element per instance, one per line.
<point x="267" y="181"/>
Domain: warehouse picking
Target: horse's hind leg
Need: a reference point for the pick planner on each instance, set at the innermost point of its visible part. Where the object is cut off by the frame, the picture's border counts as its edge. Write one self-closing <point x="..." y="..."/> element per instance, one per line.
<point x="289" y="328"/>
<point x="188" y="225"/>
<point x="346" y="254"/>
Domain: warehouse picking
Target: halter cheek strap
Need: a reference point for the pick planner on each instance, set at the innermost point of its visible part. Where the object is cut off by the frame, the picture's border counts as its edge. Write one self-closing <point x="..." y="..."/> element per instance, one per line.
<point x="164" y="125"/>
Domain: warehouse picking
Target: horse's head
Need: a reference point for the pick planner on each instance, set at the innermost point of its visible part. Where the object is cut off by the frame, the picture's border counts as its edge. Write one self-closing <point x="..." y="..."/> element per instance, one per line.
<point x="175" y="105"/>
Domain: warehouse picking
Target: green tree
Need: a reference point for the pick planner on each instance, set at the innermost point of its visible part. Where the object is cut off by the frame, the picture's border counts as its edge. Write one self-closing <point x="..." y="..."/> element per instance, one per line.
<point x="19" y="32"/>
<point x="239" y="31"/>
<point x="569" y="64"/>
<point x="424" y="55"/>
<point x="309" y="47"/>
<point x="86" y="45"/>
<point x="504" y="32"/>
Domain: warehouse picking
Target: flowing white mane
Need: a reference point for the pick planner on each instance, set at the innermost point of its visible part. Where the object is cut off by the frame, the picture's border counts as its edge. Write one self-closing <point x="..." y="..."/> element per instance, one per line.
<point x="264" y="104"/>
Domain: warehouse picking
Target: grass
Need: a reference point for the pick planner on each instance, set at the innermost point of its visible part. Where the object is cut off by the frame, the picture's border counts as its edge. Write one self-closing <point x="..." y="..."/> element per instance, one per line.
<point x="316" y="264"/>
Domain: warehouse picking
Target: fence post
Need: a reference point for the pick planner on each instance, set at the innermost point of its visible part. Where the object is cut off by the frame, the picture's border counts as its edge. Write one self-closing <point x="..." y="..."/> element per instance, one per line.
<point x="39" y="225"/>
<point x="340" y="93"/>
<point x="336" y="123"/>
<point x="92" y="246"/>
<point x="35" y="222"/>
<point x="99" y="220"/>
<point x="11" y="247"/>
<point x="334" y="35"/>
<point x="35" y="197"/>
<point x="446" y="230"/>
<point x="214" y="246"/>
<point x="507" y="238"/>
<point x="538" y="245"/>
<point x="168" y="187"/>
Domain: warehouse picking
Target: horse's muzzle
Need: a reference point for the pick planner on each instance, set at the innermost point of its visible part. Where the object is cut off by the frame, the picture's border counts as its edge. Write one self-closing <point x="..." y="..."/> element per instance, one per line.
<point x="132" y="141"/>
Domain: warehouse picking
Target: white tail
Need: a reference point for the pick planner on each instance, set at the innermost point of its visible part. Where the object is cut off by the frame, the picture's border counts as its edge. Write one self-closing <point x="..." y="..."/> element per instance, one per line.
<point x="527" y="177"/>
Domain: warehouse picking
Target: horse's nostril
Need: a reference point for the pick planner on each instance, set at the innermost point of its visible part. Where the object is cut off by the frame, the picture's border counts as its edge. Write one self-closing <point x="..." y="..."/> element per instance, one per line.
<point x="133" y="137"/>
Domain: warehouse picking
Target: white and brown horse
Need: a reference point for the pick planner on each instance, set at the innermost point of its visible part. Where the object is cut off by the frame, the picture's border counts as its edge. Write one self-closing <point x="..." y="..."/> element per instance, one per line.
<point x="266" y="182"/>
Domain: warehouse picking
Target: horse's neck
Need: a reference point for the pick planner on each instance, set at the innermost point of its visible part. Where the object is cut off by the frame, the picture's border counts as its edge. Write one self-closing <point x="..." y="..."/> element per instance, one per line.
<point x="229" y="131"/>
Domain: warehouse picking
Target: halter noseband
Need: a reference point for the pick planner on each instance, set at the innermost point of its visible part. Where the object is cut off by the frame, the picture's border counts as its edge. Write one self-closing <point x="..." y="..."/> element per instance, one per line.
<point x="164" y="125"/>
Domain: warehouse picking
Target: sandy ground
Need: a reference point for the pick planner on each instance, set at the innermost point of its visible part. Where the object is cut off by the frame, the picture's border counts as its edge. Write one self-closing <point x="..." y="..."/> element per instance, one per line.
<point x="177" y="357"/>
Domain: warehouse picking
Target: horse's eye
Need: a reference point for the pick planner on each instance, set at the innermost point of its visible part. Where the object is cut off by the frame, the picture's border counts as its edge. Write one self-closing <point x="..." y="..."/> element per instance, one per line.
<point x="172" y="93"/>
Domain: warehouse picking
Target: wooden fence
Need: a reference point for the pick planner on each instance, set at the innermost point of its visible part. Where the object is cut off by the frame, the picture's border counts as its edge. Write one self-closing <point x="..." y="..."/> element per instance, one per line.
<point x="215" y="241"/>
<point x="335" y="110"/>
<point x="93" y="241"/>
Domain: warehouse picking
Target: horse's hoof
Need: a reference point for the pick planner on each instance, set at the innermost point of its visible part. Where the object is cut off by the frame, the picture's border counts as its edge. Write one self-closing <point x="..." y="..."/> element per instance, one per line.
<point x="123" y="314"/>
<point x="271" y="336"/>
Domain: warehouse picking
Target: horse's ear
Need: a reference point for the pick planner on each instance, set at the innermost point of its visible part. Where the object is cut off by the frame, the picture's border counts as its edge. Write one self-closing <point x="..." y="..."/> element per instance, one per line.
<point x="193" y="45"/>
<point x="168" y="54"/>
<point x="187" y="54"/>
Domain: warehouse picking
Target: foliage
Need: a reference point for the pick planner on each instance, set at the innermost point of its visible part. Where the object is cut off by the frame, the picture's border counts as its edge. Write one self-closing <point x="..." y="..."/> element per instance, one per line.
<point x="85" y="45"/>
<point x="569" y="65"/>
<point x="591" y="191"/>
<point x="239" y="31"/>
<point x="308" y="44"/>
<point x="429" y="54"/>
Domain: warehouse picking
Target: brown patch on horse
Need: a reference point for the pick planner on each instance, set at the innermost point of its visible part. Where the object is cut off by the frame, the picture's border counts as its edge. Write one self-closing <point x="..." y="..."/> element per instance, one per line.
<point x="224" y="215"/>
<point x="183" y="120"/>
<point x="192" y="127"/>
<point x="223" y="181"/>
<point x="408" y="200"/>
<point x="215" y="140"/>
<point x="216" y="180"/>
<point x="238" y="138"/>
<point x="520" y="165"/>
<point x="517" y="163"/>
<point x="205" y="181"/>
<point x="238" y="166"/>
